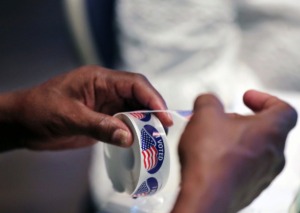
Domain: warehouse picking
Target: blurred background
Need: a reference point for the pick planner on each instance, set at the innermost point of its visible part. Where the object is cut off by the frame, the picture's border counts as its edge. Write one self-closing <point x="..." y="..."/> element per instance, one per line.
<point x="35" y="44"/>
<point x="270" y="33"/>
<point x="40" y="39"/>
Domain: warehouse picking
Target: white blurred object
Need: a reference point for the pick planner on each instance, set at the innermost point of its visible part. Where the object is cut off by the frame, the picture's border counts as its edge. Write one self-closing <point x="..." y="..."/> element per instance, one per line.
<point x="270" y="33"/>
<point x="183" y="48"/>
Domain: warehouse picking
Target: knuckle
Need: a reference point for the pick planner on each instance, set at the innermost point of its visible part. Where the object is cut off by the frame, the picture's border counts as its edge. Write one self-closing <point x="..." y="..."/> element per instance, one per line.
<point x="91" y="67"/>
<point x="276" y="160"/>
<point x="104" y="122"/>
<point x="138" y="77"/>
<point x="292" y="114"/>
<point x="288" y="118"/>
<point x="101" y="128"/>
<point x="88" y="71"/>
<point x="234" y="115"/>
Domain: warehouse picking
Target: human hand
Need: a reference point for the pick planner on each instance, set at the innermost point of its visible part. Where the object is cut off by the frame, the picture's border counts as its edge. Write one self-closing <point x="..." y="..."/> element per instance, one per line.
<point x="74" y="109"/>
<point x="228" y="159"/>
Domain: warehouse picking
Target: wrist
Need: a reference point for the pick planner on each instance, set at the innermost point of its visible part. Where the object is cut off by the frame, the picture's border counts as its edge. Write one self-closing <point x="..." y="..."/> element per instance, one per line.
<point x="205" y="194"/>
<point x="9" y="125"/>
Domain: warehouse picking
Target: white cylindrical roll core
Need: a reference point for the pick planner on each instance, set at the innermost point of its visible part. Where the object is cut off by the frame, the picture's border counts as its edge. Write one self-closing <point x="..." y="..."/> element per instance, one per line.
<point x="142" y="169"/>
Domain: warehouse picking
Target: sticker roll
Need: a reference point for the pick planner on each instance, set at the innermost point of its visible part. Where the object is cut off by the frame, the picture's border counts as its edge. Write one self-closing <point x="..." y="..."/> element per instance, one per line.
<point x="142" y="169"/>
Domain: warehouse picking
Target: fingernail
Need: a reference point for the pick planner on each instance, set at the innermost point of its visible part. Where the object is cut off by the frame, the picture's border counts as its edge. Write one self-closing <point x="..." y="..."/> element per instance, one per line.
<point x="171" y="118"/>
<point x="120" y="137"/>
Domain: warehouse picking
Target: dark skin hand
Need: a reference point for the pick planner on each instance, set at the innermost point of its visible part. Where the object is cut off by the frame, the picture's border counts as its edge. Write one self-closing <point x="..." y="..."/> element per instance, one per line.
<point x="75" y="110"/>
<point x="228" y="159"/>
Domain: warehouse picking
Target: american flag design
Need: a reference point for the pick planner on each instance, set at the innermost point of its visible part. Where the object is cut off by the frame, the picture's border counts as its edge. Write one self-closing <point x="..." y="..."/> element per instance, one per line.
<point x="148" y="187"/>
<point x="141" y="116"/>
<point x="152" y="148"/>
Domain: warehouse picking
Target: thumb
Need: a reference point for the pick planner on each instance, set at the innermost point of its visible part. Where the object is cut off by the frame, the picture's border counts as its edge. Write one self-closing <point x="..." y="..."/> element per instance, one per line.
<point x="279" y="112"/>
<point x="105" y="128"/>
<point x="208" y="104"/>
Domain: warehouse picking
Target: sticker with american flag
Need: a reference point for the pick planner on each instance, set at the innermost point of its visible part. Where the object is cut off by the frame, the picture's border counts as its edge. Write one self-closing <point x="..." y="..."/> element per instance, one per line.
<point x="141" y="116"/>
<point x="148" y="187"/>
<point x="153" y="150"/>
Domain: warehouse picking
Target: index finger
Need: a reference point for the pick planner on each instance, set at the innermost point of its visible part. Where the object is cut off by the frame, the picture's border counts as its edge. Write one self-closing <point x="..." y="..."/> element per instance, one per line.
<point x="138" y="87"/>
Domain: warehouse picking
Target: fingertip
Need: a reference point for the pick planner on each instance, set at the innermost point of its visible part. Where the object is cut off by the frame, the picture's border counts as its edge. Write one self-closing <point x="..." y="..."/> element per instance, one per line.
<point x="165" y="118"/>
<point x="257" y="100"/>
<point x="169" y="121"/>
<point x="109" y="129"/>
<point x="207" y="100"/>
<point x="248" y="94"/>
<point x="121" y="137"/>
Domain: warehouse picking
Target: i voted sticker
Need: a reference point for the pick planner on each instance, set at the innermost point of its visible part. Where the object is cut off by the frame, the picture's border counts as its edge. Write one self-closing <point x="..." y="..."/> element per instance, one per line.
<point x="142" y="116"/>
<point x="148" y="187"/>
<point x="152" y="145"/>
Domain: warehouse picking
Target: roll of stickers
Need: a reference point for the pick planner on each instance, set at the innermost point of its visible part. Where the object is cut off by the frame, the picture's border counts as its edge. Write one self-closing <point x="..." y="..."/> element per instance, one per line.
<point x="143" y="169"/>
